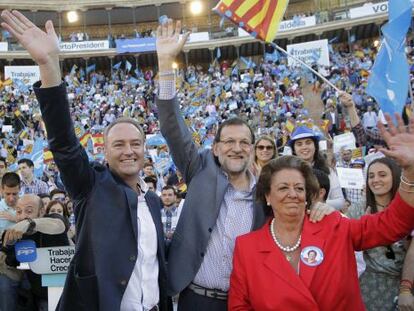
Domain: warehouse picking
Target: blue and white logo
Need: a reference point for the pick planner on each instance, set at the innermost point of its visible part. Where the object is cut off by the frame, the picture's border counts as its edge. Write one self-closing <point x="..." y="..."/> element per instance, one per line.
<point x="25" y="251"/>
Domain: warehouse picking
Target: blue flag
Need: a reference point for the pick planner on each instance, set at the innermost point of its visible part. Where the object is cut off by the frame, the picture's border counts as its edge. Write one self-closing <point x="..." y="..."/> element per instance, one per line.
<point x="128" y="66"/>
<point x="273" y="57"/>
<point x="117" y="65"/>
<point x="90" y="68"/>
<point x="389" y="79"/>
<point x="218" y="55"/>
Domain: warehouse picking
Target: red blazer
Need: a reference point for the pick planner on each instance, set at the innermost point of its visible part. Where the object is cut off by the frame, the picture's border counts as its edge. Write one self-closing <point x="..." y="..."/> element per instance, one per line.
<point x="262" y="279"/>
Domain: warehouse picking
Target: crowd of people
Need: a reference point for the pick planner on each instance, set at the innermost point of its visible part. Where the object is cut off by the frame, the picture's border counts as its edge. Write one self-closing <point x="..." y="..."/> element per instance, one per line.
<point x="231" y="148"/>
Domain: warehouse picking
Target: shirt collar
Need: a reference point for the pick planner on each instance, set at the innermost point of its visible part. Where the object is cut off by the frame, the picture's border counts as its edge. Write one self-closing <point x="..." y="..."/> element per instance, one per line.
<point x="142" y="185"/>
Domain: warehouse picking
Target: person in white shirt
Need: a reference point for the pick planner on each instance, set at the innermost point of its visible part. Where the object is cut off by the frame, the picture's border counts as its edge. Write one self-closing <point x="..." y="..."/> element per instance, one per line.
<point x="370" y="118"/>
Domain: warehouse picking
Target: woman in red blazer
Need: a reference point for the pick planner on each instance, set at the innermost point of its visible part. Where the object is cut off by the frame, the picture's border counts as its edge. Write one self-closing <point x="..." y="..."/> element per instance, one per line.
<point x="294" y="264"/>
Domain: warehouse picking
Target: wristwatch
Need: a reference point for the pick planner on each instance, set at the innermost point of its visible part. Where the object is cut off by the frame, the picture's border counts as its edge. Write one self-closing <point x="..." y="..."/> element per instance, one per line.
<point x="32" y="225"/>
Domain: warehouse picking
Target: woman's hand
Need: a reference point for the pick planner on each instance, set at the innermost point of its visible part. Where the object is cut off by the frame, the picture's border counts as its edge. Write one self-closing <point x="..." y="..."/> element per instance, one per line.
<point x="319" y="210"/>
<point x="400" y="141"/>
<point x="406" y="302"/>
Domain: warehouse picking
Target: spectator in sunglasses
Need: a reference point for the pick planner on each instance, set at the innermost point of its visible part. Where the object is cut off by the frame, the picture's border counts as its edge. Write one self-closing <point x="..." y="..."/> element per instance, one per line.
<point x="264" y="151"/>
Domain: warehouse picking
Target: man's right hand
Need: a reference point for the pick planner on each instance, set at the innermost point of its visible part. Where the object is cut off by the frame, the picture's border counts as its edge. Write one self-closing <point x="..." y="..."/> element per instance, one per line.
<point x="42" y="46"/>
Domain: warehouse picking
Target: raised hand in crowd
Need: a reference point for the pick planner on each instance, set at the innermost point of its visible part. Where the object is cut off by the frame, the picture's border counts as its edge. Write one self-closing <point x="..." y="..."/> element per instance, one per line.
<point x="43" y="46"/>
<point x="169" y="43"/>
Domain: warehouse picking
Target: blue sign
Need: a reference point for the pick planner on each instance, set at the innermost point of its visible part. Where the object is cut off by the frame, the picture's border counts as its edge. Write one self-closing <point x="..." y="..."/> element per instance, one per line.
<point x="135" y="45"/>
<point x="25" y="251"/>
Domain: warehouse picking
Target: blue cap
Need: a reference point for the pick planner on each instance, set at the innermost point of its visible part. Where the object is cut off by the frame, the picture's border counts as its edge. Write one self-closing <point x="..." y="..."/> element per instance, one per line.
<point x="302" y="132"/>
<point x="358" y="162"/>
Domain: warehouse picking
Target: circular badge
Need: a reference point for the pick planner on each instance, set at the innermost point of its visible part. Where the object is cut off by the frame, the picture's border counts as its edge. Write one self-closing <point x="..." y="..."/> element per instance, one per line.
<point x="311" y="256"/>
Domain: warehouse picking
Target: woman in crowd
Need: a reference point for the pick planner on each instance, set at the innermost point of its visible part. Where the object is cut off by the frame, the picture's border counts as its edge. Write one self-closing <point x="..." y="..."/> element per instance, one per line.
<point x="271" y="269"/>
<point x="58" y="207"/>
<point x="384" y="263"/>
<point x="305" y="144"/>
<point x="264" y="151"/>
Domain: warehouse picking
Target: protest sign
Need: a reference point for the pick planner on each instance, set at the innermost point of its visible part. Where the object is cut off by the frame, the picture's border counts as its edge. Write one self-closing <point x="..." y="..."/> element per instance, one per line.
<point x="309" y="52"/>
<point x="346" y="141"/>
<point x="351" y="178"/>
<point x="27" y="74"/>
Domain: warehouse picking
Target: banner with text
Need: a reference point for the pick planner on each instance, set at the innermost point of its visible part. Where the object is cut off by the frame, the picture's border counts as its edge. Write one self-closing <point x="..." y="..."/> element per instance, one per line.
<point x="135" y="45"/>
<point x="84" y="46"/>
<point x="309" y="52"/>
<point x="370" y="9"/>
<point x="27" y="74"/>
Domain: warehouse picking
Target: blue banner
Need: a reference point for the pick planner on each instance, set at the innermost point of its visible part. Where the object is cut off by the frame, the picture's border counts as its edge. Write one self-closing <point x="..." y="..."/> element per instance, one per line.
<point x="135" y="45"/>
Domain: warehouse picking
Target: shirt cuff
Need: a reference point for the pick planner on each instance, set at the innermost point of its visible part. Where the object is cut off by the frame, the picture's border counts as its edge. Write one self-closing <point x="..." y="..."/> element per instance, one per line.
<point x="166" y="89"/>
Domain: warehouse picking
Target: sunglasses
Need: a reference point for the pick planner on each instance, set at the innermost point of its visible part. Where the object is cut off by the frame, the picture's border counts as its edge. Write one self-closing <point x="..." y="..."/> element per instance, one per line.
<point x="264" y="147"/>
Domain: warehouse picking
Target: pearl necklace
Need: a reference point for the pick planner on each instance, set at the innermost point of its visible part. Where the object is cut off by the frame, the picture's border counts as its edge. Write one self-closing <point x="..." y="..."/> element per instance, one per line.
<point x="286" y="249"/>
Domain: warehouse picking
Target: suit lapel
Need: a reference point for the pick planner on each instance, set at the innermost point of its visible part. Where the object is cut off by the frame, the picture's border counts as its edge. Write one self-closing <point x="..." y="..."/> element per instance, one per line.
<point x="155" y="210"/>
<point x="276" y="262"/>
<point x="132" y="199"/>
<point x="310" y="238"/>
<point x="221" y="188"/>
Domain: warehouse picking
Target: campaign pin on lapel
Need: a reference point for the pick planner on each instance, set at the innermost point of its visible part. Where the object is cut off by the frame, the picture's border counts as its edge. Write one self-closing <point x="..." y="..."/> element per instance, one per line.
<point x="311" y="256"/>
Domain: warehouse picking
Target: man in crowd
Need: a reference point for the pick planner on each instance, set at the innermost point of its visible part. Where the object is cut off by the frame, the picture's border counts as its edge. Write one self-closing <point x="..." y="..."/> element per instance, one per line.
<point x="370" y="118"/>
<point x="45" y="232"/>
<point x="219" y="204"/>
<point x="30" y="184"/>
<point x="9" y="277"/>
<point x="3" y="167"/>
<point x="108" y="272"/>
<point x="170" y="212"/>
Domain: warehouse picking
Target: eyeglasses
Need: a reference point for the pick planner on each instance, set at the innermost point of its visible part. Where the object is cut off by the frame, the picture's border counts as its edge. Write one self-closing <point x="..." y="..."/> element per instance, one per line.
<point x="264" y="147"/>
<point x="231" y="143"/>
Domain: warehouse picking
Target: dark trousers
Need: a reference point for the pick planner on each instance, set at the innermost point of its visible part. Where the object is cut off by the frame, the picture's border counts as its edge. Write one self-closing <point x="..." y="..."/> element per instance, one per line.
<point x="190" y="301"/>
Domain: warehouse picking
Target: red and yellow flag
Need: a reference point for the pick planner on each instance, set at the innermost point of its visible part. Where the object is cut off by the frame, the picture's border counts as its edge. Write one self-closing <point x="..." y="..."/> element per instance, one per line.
<point x="47" y="155"/>
<point x="261" y="18"/>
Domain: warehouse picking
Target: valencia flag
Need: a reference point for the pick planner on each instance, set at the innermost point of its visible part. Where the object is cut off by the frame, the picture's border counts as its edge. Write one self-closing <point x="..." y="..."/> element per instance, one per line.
<point x="261" y="18"/>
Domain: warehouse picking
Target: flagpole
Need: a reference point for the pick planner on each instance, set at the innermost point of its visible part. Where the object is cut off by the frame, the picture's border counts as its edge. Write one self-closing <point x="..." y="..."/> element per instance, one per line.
<point x="306" y="65"/>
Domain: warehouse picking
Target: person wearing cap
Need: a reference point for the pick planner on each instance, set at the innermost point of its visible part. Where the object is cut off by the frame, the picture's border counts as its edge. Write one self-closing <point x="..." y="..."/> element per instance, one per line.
<point x="305" y="144"/>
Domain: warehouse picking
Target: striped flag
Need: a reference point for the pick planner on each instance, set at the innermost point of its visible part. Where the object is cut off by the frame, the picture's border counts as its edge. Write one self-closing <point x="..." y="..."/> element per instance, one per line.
<point x="261" y="18"/>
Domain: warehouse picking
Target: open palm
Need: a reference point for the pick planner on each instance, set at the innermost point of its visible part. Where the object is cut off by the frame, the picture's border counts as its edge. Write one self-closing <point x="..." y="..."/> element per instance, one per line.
<point x="400" y="141"/>
<point x="169" y="44"/>
<point x="42" y="46"/>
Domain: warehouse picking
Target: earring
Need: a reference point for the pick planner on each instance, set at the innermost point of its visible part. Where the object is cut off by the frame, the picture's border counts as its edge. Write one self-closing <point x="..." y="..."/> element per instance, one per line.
<point x="267" y="203"/>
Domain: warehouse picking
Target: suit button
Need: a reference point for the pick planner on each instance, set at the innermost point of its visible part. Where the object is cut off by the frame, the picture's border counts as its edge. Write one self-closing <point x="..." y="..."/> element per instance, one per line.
<point x="132" y="258"/>
<point x="202" y="254"/>
<point x="123" y="282"/>
<point x="209" y="230"/>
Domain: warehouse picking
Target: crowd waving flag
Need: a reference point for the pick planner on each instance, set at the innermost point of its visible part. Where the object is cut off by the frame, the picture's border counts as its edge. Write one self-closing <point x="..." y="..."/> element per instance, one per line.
<point x="261" y="18"/>
<point x="389" y="79"/>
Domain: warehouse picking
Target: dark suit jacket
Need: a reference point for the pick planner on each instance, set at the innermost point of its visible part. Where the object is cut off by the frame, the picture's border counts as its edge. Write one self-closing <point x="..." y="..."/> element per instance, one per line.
<point x="207" y="186"/>
<point x="106" y="217"/>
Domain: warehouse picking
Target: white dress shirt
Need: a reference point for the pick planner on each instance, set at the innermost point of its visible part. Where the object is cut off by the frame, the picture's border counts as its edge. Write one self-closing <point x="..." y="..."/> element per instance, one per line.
<point x="142" y="292"/>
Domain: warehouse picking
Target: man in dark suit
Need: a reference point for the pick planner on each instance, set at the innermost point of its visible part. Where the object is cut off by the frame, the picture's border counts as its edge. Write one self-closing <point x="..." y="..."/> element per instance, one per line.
<point x="115" y="214"/>
<point x="219" y="204"/>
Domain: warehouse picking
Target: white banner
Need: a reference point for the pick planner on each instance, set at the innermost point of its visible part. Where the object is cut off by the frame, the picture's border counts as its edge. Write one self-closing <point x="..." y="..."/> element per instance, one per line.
<point x="4" y="46"/>
<point x="351" y="178"/>
<point x="300" y="22"/>
<point x="370" y="9"/>
<point x="84" y="46"/>
<point x="310" y="52"/>
<point x="28" y="74"/>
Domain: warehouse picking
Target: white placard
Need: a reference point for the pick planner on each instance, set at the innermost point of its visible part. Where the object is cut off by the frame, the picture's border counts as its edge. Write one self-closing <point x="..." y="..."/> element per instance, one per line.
<point x="350" y="178"/>
<point x="198" y="37"/>
<point x="287" y="150"/>
<point x="24" y="107"/>
<point x="52" y="259"/>
<point x="4" y="46"/>
<point x="233" y="106"/>
<point x="323" y="145"/>
<point x="28" y="74"/>
<point x="309" y="52"/>
<point x="6" y="128"/>
<point x="346" y="140"/>
<point x="84" y="46"/>
<point x="300" y="22"/>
